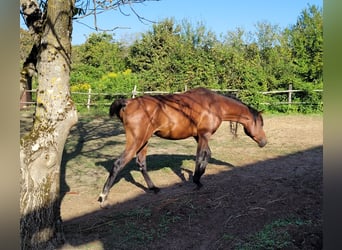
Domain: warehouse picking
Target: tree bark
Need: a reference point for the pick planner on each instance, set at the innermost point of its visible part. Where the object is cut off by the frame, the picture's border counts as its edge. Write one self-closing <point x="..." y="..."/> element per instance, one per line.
<point x="41" y="150"/>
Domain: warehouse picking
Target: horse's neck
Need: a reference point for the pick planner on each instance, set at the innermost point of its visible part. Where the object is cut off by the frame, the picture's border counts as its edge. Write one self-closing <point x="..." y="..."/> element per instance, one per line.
<point x="235" y="111"/>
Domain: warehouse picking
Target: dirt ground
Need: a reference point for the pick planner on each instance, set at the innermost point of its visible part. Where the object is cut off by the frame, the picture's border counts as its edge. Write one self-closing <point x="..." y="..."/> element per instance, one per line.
<point x="252" y="198"/>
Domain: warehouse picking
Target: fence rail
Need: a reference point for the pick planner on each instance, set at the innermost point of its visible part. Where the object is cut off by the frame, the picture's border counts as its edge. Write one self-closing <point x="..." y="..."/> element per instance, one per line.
<point x="135" y="93"/>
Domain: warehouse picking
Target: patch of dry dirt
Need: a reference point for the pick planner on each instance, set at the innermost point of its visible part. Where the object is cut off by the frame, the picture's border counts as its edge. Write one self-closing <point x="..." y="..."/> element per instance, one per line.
<point x="246" y="188"/>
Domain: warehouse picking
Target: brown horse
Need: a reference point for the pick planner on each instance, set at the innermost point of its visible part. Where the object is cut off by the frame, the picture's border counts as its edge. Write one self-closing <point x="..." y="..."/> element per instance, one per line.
<point x="196" y="113"/>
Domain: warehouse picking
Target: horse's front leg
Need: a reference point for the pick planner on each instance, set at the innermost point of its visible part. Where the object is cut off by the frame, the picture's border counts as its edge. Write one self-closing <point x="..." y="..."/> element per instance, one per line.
<point x="141" y="162"/>
<point x="202" y="157"/>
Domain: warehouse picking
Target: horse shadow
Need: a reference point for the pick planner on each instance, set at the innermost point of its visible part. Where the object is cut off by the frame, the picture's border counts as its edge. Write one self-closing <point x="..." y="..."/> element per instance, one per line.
<point x="158" y="162"/>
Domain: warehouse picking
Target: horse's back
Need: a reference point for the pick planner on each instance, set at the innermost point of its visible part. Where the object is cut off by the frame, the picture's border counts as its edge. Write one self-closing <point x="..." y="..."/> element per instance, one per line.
<point x="173" y="116"/>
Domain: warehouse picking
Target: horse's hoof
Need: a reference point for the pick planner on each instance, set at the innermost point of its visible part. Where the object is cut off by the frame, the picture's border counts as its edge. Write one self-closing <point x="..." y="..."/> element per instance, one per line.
<point x="155" y="190"/>
<point x="198" y="186"/>
<point x="104" y="205"/>
<point x="102" y="199"/>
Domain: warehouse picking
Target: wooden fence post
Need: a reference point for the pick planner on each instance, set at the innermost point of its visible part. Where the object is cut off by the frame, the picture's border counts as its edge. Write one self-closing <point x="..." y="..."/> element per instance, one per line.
<point x="89" y="99"/>
<point x="290" y="94"/>
<point x="134" y="91"/>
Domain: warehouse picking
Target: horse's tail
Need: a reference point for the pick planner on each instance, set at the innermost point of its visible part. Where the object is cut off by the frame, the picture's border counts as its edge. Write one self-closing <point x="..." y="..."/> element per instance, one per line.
<point x="116" y="107"/>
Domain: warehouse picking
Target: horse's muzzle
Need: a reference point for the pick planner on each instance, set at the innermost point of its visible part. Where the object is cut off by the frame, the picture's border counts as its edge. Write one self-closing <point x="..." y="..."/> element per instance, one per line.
<point x="262" y="143"/>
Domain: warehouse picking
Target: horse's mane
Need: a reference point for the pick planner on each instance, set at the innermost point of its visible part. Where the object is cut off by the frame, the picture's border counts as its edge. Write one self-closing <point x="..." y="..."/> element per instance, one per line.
<point x="253" y="111"/>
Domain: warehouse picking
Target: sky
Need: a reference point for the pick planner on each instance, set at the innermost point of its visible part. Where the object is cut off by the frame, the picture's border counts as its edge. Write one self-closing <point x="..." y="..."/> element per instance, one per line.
<point x="219" y="16"/>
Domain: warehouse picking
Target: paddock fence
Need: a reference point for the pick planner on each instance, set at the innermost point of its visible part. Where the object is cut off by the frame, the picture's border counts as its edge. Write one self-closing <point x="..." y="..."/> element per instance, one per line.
<point x="89" y="98"/>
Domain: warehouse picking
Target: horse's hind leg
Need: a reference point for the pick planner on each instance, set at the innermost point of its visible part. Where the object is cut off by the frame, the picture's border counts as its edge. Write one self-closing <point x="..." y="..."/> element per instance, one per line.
<point x="202" y="157"/>
<point x="141" y="162"/>
<point x="118" y="165"/>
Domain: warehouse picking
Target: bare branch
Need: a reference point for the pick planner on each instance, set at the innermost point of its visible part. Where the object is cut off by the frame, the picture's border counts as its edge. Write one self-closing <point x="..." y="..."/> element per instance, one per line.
<point x="101" y="6"/>
<point x="95" y="20"/>
<point x="121" y="11"/>
<point x="141" y="19"/>
<point x="99" y="29"/>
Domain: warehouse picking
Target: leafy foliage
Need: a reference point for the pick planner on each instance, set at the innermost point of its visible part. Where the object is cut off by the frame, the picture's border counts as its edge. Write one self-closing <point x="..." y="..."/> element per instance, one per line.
<point x="26" y="42"/>
<point x="176" y="56"/>
<point x="306" y="42"/>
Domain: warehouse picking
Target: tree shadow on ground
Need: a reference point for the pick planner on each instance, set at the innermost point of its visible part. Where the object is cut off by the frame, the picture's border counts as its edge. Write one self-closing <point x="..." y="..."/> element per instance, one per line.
<point x="84" y="132"/>
<point x="231" y="206"/>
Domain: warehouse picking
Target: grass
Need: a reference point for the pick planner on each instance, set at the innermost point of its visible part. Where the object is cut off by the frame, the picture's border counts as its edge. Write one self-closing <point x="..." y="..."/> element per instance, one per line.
<point x="134" y="228"/>
<point x="275" y="235"/>
<point x="141" y="226"/>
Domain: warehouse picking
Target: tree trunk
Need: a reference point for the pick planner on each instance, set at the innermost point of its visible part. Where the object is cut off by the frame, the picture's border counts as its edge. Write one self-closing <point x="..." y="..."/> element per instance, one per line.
<point x="41" y="150"/>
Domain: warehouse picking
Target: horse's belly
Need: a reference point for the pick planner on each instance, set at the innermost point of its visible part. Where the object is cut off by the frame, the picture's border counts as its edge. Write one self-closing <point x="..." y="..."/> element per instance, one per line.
<point x="176" y="131"/>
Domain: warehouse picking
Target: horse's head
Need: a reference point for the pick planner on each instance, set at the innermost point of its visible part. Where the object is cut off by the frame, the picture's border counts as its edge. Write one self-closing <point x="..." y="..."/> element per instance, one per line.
<point x="254" y="129"/>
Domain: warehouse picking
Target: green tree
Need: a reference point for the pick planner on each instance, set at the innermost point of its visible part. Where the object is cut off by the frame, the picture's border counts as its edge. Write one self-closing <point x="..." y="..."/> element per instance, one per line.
<point x="151" y="56"/>
<point x="173" y="56"/>
<point x="239" y="61"/>
<point x="99" y="55"/>
<point x="307" y="44"/>
<point x="198" y="64"/>
<point x="25" y="43"/>
<point x="102" y="52"/>
<point x="267" y="39"/>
